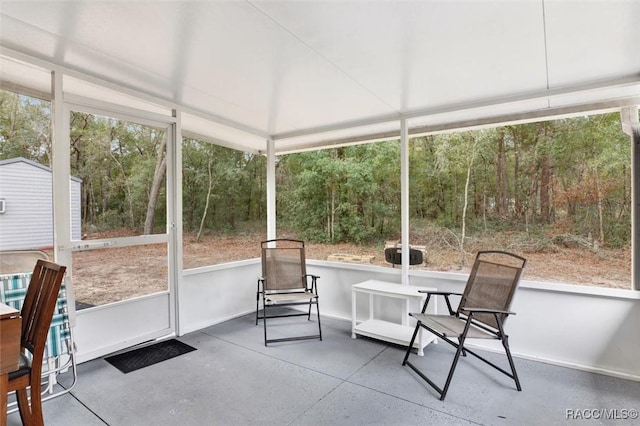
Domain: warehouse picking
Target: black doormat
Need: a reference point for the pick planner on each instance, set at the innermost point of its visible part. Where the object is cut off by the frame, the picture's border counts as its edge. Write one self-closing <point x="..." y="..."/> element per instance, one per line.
<point x="82" y="305"/>
<point x="149" y="355"/>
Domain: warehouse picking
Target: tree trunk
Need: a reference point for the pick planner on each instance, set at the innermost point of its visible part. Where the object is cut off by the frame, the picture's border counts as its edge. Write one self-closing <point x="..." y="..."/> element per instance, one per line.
<point x="484" y="211"/>
<point x="471" y="152"/>
<point x="501" y="179"/>
<point x="517" y="195"/>
<point x="206" y="204"/>
<point x="127" y="187"/>
<point x="158" y="178"/>
<point x="533" y="200"/>
<point x="106" y="179"/>
<point x="332" y="219"/>
<point x="600" y="209"/>
<point x="545" y="189"/>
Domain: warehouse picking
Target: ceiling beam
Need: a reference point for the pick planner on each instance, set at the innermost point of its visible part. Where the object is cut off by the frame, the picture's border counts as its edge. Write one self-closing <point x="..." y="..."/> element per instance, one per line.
<point x="136" y="93"/>
<point x="24" y="90"/>
<point x="547" y="94"/>
<point x="500" y="120"/>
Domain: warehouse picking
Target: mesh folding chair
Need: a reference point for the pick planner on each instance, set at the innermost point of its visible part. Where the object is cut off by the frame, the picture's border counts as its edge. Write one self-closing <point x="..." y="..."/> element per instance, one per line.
<point x="284" y="283"/>
<point x="481" y="314"/>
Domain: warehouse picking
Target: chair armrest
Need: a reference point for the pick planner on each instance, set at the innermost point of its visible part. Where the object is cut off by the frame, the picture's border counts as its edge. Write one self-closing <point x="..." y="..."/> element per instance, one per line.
<point x="446" y="295"/>
<point x="440" y="293"/>
<point x="314" y="282"/>
<point x="487" y="311"/>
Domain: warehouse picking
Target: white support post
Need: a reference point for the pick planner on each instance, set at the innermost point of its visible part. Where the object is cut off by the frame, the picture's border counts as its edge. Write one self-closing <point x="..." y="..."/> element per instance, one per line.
<point x="174" y="218"/>
<point x="61" y="171"/>
<point x="61" y="166"/>
<point x="404" y="197"/>
<point x="631" y="126"/>
<point x="271" y="190"/>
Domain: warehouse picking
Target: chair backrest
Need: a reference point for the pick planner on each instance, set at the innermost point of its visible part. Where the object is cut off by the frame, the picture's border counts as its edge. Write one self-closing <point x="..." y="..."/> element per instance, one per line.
<point x="492" y="283"/>
<point x="39" y="303"/>
<point x="283" y="265"/>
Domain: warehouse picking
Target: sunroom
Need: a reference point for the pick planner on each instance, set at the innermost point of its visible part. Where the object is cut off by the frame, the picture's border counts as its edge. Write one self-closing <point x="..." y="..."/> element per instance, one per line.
<point x="277" y="78"/>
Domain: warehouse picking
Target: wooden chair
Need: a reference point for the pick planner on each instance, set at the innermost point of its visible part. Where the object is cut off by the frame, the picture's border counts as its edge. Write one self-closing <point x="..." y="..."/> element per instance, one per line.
<point x="483" y="309"/>
<point x="285" y="282"/>
<point x="36" y="313"/>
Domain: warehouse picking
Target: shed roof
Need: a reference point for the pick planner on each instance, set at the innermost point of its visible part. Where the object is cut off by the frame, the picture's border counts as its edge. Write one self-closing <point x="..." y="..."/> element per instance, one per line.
<point x="33" y="164"/>
<point x="310" y="74"/>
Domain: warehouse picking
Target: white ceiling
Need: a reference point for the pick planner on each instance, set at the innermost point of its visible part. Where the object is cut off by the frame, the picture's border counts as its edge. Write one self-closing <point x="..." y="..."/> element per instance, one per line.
<point x="308" y="73"/>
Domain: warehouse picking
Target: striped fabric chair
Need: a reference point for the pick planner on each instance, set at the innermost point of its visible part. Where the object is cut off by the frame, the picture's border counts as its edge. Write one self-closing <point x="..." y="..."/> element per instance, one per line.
<point x="59" y="353"/>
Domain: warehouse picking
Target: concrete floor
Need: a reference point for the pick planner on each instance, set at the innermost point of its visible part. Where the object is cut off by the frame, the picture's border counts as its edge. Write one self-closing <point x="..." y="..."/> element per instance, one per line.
<point x="233" y="379"/>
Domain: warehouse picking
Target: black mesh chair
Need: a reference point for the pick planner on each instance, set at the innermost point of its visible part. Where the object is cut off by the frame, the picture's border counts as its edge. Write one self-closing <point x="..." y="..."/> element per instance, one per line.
<point x="481" y="314"/>
<point x="285" y="282"/>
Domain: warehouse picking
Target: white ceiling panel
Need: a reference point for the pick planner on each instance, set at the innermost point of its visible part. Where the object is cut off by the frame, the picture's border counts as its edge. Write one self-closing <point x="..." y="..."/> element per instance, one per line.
<point x="309" y="72"/>
<point x="21" y="75"/>
<point x="80" y="91"/>
<point x="341" y="137"/>
<point x="201" y="128"/>
<point x="220" y="57"/>
<point x="592" y="40"/>
<point x="416" y="55"/>
<point x="607" y="94"/>
<point x="472" y="117"/>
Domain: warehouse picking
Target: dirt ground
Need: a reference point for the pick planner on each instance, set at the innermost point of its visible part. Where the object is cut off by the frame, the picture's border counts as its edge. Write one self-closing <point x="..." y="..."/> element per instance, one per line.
<point x="104" y="276"/>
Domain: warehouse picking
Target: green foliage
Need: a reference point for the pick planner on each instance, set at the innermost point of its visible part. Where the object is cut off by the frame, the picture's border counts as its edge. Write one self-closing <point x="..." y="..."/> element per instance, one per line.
<point x="340" y="194"/>
<point x="559" y="182"/>
<point x="24" y="128"/>
<point x="237" y="181"/>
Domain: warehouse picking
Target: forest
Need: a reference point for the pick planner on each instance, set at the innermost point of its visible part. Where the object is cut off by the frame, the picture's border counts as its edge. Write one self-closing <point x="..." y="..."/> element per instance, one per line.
<point x="546" y="184"/>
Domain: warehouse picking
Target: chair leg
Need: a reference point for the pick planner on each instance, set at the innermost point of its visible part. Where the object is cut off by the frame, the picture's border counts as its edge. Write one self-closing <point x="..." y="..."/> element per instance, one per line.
<point x="413" y="339"/>
<point x="23" y="406"/>
<point x="257" y="306"/>
<point x="264" y="322"/>
<point x="459" y="350"/>
<point x="452" y="369"/>
<point x="36" y="404"/>
<point x="413" y="367"/>
<point x="318" y="311"/>
<point x="505" y="344"/>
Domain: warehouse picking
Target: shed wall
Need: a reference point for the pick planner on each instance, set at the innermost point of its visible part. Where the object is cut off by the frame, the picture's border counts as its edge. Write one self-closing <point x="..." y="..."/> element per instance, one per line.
<point x="28" y="219"/>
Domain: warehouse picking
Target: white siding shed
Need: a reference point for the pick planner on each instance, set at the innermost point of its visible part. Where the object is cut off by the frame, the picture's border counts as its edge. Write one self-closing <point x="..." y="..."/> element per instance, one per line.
<point x="26" y="205"/>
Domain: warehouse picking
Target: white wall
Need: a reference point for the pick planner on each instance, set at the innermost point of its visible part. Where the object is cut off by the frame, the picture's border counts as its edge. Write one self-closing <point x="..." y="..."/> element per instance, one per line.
<point x="105" y="329"/>
<point x="583" y="327"/>
<point x="213" y="294"/>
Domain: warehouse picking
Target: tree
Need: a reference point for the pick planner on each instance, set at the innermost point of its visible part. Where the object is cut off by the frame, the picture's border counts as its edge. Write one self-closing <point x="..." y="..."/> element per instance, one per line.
<point x="470" y="143"/>
<point x="24" y="128"/>
<point x="158" y="180"/>
<point x="206" y="205"/>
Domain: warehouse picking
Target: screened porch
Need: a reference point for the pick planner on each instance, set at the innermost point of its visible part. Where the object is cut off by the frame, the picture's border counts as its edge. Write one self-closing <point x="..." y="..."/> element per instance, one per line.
<point x="274" y="78"/>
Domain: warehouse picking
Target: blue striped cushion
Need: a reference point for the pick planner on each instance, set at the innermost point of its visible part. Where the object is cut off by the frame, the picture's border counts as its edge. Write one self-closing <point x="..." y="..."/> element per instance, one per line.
<point x="13" y="290"/>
